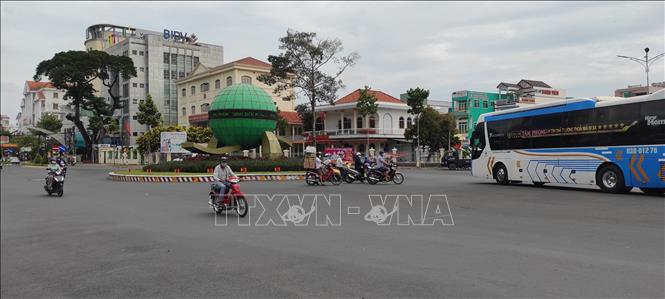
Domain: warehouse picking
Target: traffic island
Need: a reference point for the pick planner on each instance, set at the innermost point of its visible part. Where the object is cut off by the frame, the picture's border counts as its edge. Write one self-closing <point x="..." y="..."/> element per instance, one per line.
<point x="161" y="177"/>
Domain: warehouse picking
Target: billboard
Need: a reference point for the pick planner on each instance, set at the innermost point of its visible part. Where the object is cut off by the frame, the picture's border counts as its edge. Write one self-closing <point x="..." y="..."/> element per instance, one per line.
<point x="171" y="142"/>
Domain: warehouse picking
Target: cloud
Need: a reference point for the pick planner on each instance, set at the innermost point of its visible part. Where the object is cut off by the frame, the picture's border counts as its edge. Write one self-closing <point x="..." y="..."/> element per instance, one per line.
<point x="441" y="46"/>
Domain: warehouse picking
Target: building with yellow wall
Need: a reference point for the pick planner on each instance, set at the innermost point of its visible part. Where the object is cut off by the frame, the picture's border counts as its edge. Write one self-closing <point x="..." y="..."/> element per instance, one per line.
<point x="197" y="91"/>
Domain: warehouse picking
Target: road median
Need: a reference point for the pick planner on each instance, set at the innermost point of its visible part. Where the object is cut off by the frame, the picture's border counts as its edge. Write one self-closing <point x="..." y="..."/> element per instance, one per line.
<point x="199" y="178"/>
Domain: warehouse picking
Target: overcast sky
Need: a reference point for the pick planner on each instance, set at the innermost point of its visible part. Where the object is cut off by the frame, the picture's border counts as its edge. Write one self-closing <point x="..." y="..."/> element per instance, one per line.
<point x="441" y="46"/>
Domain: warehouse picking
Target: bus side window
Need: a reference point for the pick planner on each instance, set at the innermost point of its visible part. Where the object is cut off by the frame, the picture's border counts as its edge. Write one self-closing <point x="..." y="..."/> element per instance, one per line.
<point x="478" y="141"/>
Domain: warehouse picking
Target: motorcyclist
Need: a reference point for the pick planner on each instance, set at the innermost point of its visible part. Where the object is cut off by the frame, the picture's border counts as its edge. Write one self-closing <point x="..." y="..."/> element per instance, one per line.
<point x="221" y="175"/>
<point x="319" y="167"/>
<point x="63" y="164"/>
<point x="381" y="165"/>
<point x="339" y="163"/>
<point x="358" y="164"/>
<point x="52" y="167"/>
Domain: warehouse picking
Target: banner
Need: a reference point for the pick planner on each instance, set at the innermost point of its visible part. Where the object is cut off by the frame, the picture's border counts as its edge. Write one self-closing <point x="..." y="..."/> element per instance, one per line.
<point x="171" y="142"/>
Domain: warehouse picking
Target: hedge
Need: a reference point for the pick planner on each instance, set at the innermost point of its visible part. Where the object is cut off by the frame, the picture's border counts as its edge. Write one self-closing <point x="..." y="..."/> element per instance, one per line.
<point x="291" y="164"/>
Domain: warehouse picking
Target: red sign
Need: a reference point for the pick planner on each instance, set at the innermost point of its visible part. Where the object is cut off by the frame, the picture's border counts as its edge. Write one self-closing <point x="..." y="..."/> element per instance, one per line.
<point x="348" y="152"/>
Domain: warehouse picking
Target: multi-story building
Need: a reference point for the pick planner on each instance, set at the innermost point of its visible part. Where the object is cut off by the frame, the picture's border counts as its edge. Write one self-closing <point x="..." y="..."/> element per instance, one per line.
<point x="639" y="90"/>
<point x="40" y="98"/>
<point x="197" y="91"/>
<point x="340" y="125"/>
<point x="160" y="59"/>
<point x="4" y="122"/>
<point x="293" y="131"/>
<point x="467" y="106"/>
<point x="527" y="92"/>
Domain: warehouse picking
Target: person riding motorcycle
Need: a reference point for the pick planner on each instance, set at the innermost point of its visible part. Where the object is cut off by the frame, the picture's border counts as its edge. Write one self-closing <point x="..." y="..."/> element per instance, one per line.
<point x="53" y="167"/>
<point x="358" y="164"/>
<point x="381" y="165"/>
<point x="63" y="164"/>
<point x="221" y="175"/>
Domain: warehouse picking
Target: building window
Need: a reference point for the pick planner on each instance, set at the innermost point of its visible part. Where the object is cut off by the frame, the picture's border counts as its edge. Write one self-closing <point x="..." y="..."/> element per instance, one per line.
<point x="141" y="69"/>
<point x="485" y="104"/>
<point x="166" y="58"/>
<point x="229" y="81"/>
<point x="142" y="85"/>
<point x="347" y="123"/>
<point x="133" y="52"/>
<point x="246" y="80"/>
<point x="173" y="75"/>
<point x="125" y="90"/>
<point x="205" y="108"/>
<point x="462" y="126"/>
<point x="135" y="133"/>
<point x="184" y="111"/>
<point x="218" y="84"/>
<point x="359" y="122"/>
<point x="372" y="122"/>
<point x="318" y="126"/>
<point x="141" y="53"/>
<point x="55" y="106"/>
<point x="55" y="95"/>
<point x="409" y="122"/>
<point x="193" y="90"/>
<point x="174" y="58"/>
<point x="125" y="53"/>
<point x="196" y="60"/>
<point x="476" y="103"/>
<point x="461" y="106"/>
<point x="401" y="122"/>
<point x="134" y="117"/>
<point x="135" y="101"/>
<point x="184" y="92"/>
<point x="193" y="110"/>
<point x="205" y="87"/>
<point x="181" y="75"/>
<point x="166" y="74"/>
<point x="135" y="85"/>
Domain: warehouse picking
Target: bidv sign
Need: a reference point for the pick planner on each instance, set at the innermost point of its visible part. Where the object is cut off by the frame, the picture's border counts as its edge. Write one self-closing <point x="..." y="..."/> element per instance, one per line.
<point x="178" y="36"/>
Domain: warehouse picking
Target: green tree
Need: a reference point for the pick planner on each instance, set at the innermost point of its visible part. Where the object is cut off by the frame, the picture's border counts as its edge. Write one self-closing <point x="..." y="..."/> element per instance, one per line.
<point x="51" y="122"/>
<point x="149" y="114"/>
<point x="305" y="114"/>
<point x="75" y="72"/>
<point x="435" y="129"/>
<point x="366" y="105"/>
<point x="301" y="67"/>
<point x="199" y="134"/>
<point x="417" y="100"/>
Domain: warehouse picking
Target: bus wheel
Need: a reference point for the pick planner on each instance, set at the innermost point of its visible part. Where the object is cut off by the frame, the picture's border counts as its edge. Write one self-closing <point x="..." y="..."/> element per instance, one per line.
<point x="539" y="184"/>
<point x="653" y="191"/>
<point x="610" y="179"/>
<point x="501" y="174"/>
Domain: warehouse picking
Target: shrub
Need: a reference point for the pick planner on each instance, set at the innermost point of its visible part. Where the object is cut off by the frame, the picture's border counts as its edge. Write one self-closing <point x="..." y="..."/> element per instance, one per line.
<point x="39" y="159"/>
<point x="252" y="165"/>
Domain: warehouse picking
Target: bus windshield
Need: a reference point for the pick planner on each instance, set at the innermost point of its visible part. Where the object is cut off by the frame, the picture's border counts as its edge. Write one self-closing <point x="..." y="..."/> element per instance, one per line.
<point x="477" y="141"/>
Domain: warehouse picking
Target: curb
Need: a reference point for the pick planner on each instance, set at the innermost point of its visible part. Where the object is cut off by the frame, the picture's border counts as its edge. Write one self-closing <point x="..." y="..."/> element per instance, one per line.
<point x="201" y="178"/>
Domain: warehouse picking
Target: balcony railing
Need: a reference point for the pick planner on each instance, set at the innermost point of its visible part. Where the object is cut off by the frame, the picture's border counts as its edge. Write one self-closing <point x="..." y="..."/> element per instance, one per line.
<point x="355" y="132"/>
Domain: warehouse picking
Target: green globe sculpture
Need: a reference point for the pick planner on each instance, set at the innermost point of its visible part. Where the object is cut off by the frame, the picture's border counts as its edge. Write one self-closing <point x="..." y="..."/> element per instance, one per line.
<point x="241" y="114"/>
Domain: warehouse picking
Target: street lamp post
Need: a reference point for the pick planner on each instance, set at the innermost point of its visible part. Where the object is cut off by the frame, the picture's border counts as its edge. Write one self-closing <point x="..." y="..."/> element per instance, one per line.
<point x="645" y="62"/>
<point x="418" y="151"/>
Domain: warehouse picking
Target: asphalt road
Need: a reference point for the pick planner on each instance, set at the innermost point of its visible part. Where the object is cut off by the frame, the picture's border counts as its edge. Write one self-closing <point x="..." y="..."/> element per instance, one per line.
<point x="116" y="239"/>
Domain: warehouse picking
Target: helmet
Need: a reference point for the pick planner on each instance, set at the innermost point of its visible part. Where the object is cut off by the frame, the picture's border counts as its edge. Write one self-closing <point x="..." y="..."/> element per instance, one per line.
<point x="358" y="154"/>
<point x="223" y="159"/>
<point x="380" y="153"/>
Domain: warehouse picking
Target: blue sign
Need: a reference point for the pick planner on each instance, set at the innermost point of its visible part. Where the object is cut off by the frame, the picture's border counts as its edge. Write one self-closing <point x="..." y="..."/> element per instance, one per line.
<point x="178" y="36"/>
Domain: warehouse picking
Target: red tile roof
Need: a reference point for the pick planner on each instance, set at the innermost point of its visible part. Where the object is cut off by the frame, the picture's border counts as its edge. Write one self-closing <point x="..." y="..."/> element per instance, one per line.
<point x="291" y="117"/>
<point x="253" y="62"/>
<point x="39" y="85"/>
<point x="380" y="97"/>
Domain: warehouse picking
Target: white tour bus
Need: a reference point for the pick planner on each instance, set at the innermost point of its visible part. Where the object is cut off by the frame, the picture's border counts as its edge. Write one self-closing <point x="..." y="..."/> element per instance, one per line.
<point x="616" y="144"/>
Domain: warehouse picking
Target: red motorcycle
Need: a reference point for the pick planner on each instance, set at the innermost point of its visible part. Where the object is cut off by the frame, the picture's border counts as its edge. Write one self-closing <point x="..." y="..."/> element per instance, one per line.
<point x="331" y="174"/>
<point x="233" y="198"/>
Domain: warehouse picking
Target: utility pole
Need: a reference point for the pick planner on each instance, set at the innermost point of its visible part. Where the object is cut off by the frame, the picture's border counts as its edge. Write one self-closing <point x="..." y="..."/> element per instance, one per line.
<point x="418" y="151"/>
<point x="645" y="62"/>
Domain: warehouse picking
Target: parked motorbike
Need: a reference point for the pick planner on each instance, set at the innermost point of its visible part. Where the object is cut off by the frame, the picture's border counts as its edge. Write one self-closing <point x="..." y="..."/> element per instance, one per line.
<point x="233" y="198"/>
<point x="331" y="174"/>
<point x="375" y="176"/>
<point x="55" y="182"/>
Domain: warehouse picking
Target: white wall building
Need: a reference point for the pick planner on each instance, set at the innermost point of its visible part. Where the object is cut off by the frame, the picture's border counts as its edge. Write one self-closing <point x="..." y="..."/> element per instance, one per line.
<point x="40" y="98"/>
<point x="340" y="125"/>
<point x="527" y="92"/>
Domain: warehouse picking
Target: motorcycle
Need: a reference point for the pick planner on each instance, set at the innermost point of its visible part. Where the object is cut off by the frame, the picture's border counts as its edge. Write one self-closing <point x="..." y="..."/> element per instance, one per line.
<point x="375" y="176"/>
<point x="233" y="198"/>
<point x="331" y="174"/>
<point x="351" y="175"/>
<point x="55" y="182"/>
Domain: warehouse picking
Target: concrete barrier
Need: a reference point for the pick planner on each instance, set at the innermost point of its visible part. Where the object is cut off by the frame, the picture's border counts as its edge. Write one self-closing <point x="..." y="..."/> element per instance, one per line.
<point x="200" y="178"/>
